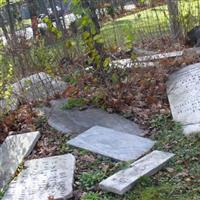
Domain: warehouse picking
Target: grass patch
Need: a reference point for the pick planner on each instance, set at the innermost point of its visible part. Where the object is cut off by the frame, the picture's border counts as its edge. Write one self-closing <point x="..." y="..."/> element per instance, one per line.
<point x="89" y="179"/>
<point x="73" y="102"/>
<point x="149" y="22"/>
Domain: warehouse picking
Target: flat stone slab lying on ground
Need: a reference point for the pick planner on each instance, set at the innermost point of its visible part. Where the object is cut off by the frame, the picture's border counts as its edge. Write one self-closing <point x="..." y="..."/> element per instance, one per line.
<point x="12" y="152"/>
<point x="108" y="142"/>
<point x="44" y="178"/>
<point x="160" y="56"/>
<point x="152" y="59"/>
<point x="183" y="89"/>
<point x="76" y="121"/>
<point x="129" y="63"/>
<point x="124" y="180"/>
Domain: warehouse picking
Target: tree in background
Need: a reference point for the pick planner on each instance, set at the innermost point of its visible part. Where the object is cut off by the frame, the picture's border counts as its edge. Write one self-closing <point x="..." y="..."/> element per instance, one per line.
<point x="32" y="6"/>
<point x="175" y="24"/>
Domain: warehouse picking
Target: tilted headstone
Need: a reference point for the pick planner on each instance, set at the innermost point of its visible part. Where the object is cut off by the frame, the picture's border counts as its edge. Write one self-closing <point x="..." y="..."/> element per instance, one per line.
<point x="38" y="87"/>
<point x="183" y="89"/>
<point x="12" y="152"/>
<point x="114" y="144"/>
<point x="44" y="178"/>
<point x="124" y="180"/>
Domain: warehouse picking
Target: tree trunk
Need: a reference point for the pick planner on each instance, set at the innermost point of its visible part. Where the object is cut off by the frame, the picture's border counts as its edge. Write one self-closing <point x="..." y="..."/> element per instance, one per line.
<point x="4" y="29"/>
<point x="55" y="12"/>
<point x="33" y="13"/>
<point x="175" y="25"/>
<point x="10" y="20"/>
<point x="89" y="4"/>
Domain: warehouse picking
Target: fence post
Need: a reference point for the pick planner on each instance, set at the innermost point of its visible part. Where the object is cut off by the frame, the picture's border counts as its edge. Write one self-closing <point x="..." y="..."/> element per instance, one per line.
<point x="175" y="25"/>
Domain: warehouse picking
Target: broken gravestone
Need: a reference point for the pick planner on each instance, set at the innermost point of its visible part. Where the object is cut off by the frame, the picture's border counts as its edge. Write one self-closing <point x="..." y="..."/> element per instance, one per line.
<point x="124" y="180"/>
<point x="76" y="121"/>
<point x="44" y="178"/>
<point x="38" y="87"/>
<point x="114" y="144"/>
<point x="183" y="89"/>
<point x="12" y="152"/>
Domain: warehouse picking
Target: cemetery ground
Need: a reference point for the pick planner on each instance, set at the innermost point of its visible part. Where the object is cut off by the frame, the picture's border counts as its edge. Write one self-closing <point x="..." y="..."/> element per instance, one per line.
<point x="141" y="96"/>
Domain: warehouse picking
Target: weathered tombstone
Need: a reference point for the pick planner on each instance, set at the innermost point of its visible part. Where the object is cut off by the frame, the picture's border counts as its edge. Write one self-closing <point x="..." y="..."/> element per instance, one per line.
<point x="43" y="179"/>
<point x="12" y="152"/>
<point x="76" y="121"/>
<point x="124" y="180"/>
<point x="111" y="143"/>
<point x="183" y="89"/>
<point x="38" y="87"/>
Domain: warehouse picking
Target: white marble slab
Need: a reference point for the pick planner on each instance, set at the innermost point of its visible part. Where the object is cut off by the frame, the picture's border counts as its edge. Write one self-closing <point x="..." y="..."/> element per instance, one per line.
<point x="12" y="152"/>
<point x="183" y="89"/>
<point x="124" y="180"/>
<point x="111" y="143"/>
<point x="160" y="56"/>
<point x="44" y="178"/>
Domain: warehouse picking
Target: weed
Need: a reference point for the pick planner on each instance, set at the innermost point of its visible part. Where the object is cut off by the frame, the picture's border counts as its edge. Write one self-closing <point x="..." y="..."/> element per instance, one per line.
<point x="91" y="196"/>
<point x="74" y="102"/>
<point x="89" y="179"/>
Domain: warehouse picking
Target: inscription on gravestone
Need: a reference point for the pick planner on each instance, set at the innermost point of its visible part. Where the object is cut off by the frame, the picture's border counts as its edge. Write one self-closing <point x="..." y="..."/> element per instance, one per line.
<point x="183" y="89"/>
<point x="14" y="149"/>
<point x="44" y="178"/>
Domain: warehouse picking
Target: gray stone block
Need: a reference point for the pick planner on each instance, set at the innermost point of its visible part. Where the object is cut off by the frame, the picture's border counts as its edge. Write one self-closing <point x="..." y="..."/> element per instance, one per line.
<point x="111" y="143"/>
<point x="44" y="178"/>
<point x="124" y="180"/>
<point x="12" y="152"/>
<point x="75" y="121"/>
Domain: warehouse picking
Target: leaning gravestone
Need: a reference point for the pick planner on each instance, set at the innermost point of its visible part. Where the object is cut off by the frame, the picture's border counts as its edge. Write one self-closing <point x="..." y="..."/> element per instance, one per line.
<point x="183" y="89"/>
<point x="44" y="178"/>
<point x="76" y="121"/>
<point x="114" y="144"/>
<point x="38" y="87"/>
<point x="12" y="152"/>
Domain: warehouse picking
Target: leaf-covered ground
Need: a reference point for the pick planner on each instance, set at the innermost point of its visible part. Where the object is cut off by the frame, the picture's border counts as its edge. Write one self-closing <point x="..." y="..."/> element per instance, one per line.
<point x="179" y="180"/>
<point x="138" y="94"/>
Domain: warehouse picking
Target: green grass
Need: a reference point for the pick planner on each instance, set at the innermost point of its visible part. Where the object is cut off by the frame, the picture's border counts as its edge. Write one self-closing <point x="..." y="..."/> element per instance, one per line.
<point x="147" y="22"/>
<point x="178" y="180"/>
<point x="73" y="102"/>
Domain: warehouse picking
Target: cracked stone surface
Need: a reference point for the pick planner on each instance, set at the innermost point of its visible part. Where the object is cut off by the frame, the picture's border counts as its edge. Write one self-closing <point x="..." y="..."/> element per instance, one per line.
<point x="114" y="144"/>
<point x="124" y="180"/>
<point x="12" y="152"/>
<point x="44" y="178"/>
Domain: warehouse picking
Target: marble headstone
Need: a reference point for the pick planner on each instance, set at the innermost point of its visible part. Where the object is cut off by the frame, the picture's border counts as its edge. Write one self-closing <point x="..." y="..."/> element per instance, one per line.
<point x="124" y="180"/>
<point x="114" y="144"/>
<point x="12" y="152"/>
<point x="44" y="178"/>
<point x="183" y="89"/>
